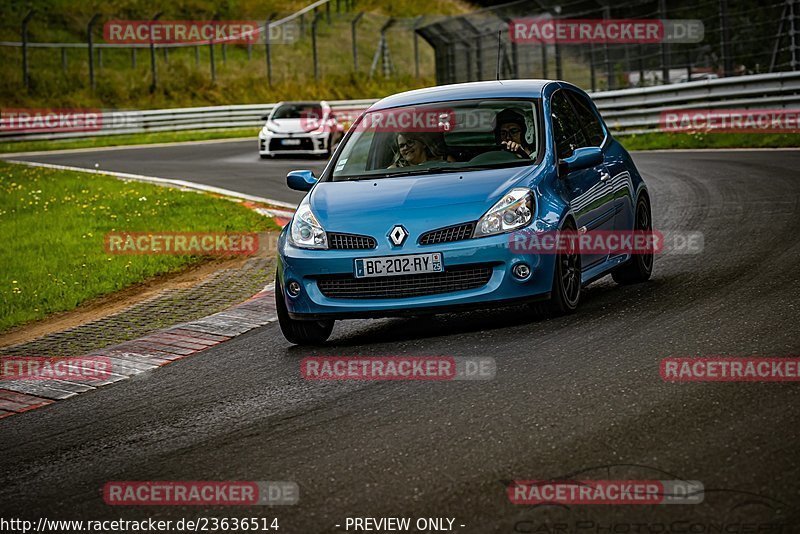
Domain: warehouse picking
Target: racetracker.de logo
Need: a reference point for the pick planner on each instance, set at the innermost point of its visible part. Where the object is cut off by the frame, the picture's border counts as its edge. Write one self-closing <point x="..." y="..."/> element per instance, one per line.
<point x="605" y="31"/>
<point x="407" y="120"/>
<point x="182" y="243"/>
<point x="731" y="120"/>
<point x="77" y="369"/>
<point x="50" y="120"/>
<point x="730" y="369"/>
<point x="608" y="492"/>
<point x="200" y="493"/>
<point x="442" y="368"/>
<point x="181" y="31"/>
<point x="593" y="242"/>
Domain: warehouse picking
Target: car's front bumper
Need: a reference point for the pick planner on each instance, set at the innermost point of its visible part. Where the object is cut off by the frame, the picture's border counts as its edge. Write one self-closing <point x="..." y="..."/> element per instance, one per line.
<point x="307" y="266"/>
<point x="273" y="143"/>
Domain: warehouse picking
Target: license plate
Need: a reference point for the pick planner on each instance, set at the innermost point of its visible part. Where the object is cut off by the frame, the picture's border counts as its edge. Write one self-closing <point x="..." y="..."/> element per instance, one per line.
<point x="290" y="142"/>
<point x="399" y="265"/>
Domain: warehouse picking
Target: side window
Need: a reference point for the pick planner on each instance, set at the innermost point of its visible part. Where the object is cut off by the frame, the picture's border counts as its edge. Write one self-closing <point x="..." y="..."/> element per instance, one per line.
<point x="566" y="126"/>
<point x="592" y="128"/>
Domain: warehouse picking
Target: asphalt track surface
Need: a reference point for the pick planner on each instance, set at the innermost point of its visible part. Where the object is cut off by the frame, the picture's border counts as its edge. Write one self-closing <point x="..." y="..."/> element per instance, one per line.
<point x="233" y="165"/>
<point x="578" y="395"/>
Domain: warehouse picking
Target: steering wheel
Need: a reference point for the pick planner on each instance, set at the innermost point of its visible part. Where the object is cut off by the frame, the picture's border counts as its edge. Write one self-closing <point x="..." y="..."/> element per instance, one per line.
<point x="494" y="156"/>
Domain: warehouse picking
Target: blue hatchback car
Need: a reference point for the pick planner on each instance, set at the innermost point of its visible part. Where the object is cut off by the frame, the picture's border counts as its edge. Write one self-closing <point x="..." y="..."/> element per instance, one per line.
<point x="417" y="210"/>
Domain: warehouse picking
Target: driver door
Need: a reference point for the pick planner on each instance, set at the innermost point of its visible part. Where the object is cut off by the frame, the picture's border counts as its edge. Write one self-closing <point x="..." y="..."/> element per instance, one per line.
<point x="588" y="191"/>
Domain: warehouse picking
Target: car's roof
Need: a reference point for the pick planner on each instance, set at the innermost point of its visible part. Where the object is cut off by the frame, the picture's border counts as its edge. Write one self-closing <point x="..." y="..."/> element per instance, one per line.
<point x="466" y="91"/>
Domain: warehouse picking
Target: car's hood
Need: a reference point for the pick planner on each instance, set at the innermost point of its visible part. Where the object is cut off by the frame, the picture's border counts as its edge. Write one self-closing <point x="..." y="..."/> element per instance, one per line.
<point x="419" y="203"/>
<point x="289" y="125"/>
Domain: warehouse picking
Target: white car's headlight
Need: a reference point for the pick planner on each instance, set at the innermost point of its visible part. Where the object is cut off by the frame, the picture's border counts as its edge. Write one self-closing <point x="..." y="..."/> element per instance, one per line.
<point x="513" y="211"/>
<point x="306" y="232"/>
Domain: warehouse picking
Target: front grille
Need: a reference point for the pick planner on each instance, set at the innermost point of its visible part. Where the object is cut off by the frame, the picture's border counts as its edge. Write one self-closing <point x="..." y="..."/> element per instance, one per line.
<point x="305" y="144"/>
<point x="458" y="232"/>
<point x="350" y="241"/>
<point x="453" y="279"/>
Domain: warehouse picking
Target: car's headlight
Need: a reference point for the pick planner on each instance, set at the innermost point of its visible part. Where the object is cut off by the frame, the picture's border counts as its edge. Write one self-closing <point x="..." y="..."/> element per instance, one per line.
<point x="513" y="211"/>
<point x="306" y="232"/>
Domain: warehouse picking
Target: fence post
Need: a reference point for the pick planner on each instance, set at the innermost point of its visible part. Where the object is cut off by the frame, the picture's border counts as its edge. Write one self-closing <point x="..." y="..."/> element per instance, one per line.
<point x="90" y="44"/>
<point x="725" y="38"/>
<point x="211" y="54"/>
<point x="353" y="24"/>
<point x="417" y="22"/>
<point x="314" y="44"/>
<point x="267" y="39"/>
<point x="153" y="70"/>
<point x="607" y="54"/>
<point x="26" y="79"/>
<point x="641" y="64"/>
<point x="64" y="60"/>
<point x="328" y="11"/>
<point x="557" y="48"/>
<point x="662" y="14"/>
<point x="544" y="61"/>
<point x="792" y="35"/>
<point x="211" y="60"/>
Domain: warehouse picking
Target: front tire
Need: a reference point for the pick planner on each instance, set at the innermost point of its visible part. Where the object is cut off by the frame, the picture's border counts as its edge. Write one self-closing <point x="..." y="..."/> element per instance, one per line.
<point x="300" y="332"/>
<point x="639" y="268"/>
<point x="565" y="294"/>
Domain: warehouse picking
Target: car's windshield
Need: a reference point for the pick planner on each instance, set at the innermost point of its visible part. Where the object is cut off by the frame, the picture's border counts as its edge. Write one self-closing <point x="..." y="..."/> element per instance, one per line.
<point x="297" y="110"/>
<point x="440" y="137"/>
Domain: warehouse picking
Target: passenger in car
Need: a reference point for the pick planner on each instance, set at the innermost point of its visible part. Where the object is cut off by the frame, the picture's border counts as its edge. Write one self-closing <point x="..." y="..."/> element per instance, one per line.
<point x="415" y="148"/>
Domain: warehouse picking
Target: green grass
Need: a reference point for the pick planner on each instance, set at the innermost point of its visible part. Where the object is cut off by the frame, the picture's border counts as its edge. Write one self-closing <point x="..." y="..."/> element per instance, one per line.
<point x="126" y="139"/>
<point x="658" y="140"/>
<point x="53" y="223"/>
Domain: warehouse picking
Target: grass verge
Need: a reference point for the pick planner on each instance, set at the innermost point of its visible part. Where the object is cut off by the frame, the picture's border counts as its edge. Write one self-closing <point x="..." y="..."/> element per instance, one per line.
<point x="126" y="139"/>
<point x="53" y="224"/>
<point x="659" y="140"/>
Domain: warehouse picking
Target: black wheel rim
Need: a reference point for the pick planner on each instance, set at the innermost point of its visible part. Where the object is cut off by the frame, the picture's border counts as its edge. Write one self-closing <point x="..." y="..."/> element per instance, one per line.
<point x="644" y="224"/>
<point x="571" y="274"/>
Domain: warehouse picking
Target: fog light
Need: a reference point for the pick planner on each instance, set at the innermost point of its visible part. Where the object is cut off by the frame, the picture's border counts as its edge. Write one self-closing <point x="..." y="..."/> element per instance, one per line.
<point x="293" y="288"/>
<point x="521" y="271"/>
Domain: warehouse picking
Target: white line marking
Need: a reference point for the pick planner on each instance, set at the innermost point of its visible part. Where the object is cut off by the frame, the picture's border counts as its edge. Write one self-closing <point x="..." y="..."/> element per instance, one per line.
<point x="163" y="181"/>
<point x="756" y="149"/>
<point x="254" y="139"/>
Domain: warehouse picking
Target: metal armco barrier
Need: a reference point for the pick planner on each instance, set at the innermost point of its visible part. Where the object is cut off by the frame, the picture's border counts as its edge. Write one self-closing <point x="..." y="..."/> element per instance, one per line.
<point x="626" y="111"/>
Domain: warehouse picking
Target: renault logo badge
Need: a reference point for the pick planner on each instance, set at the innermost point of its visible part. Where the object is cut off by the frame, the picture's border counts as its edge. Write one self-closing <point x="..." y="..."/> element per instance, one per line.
<point x="398" y="235"/>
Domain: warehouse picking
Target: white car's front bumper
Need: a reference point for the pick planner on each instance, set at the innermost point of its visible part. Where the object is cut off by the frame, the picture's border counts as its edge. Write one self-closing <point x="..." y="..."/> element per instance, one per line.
<point x="276" y="143"/>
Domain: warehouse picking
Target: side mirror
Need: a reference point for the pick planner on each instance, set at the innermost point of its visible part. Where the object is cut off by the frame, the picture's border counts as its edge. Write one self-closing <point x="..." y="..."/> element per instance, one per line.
<point x="265" y="118"/>
<point x="581" y="158"/>
<point x="300" y="180"/>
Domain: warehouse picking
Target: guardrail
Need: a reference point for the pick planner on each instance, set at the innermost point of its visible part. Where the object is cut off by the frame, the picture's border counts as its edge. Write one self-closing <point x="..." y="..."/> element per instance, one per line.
<point x="626" y="111"/>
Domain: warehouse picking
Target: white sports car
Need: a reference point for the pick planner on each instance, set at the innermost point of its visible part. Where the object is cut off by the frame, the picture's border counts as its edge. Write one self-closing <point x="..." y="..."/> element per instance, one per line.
<point x="299" y="128"/>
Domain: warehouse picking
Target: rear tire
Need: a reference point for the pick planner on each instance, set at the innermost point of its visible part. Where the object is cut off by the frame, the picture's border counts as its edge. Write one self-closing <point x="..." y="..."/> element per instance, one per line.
<point x="640" y="266"/>
<point x="565" y="294"/>
<point x="300" y="332"/>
